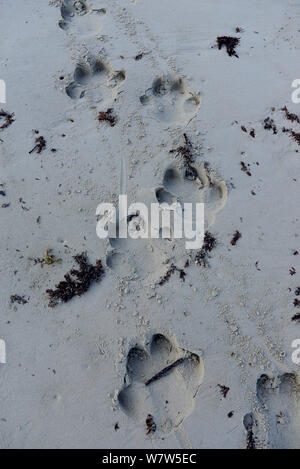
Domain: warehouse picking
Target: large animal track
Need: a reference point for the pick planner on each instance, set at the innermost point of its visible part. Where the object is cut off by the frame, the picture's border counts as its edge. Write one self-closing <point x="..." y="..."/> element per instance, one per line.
<point x="192" y="184"/>
<point x="135" y="258"/>
<point x="280" y="401"/>
<point x="161" y="380"/>
<point x="72" y="13"/>
<point x="170" y="100"/>
<point x="93" y="77"/>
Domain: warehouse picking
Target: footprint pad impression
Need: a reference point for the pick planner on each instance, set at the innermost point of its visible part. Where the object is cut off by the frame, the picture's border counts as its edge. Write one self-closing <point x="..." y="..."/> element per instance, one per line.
<point x="161" y="380"/>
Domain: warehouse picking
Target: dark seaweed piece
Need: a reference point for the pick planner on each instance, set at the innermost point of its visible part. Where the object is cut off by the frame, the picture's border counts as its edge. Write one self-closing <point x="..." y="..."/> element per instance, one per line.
<point x="295" y="136"/>
<point x="295" y="253"/>
<point x="296" y="303"/>
<point x="170" y="272"/>
<point x="252" y="133"/>
<point x="297" y="291"/>
<point x="5" y="205"/>
<point x="224" y="390"/>
<point x="230" y="43"/>
<point x="3" y="193"/>
<point x="40" y="145"/>
<point x="165" y="371"/>
<point x="245" y="169"/>
<point x="116" y="426"/>
<point x="237" y="235"/>
<point x="269" y="124"/>
<point x="139" y="56"/>
<point x="108" y="116"/>
<point x="76" y="282"/>
<point x="18" y="299"/>
<point x="296" y="317"/>
<point x="209" y="244"/>
<point x="230" y="414"/>
<point x="292" y="271"/>
<point x="150" y="425"/>
<point x="243" y="128"/>
<point x="290" y="116"/>
<point x="8" y="119"/>
<point x="187" y="153"/>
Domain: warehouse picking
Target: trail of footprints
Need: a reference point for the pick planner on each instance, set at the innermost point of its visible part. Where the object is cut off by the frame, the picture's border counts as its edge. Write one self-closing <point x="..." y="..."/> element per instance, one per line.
<point x="161" y="380"/>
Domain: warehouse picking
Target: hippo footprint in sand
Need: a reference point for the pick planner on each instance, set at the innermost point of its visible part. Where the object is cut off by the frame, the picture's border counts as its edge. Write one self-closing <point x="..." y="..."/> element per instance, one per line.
<point x="280" y="401"/>
<point x="161" y="381"/>
<point x="93" y="77"/>
<point x="193" y="183"/>
<point x="79" y="15"/>
<point x="170" y="100"/>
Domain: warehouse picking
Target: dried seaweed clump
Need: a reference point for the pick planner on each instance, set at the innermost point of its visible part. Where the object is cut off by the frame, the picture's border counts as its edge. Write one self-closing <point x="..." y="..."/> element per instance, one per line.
<point x="224" y="390"/>
<point x="21" y="300"/>
<point x="150" y="425"/>
<point x="269" y="124"/>
<point x="237" y="235"/>
<point x="290" y="116"/>
<point x="108" y="116"/>
<point x="76" y="281"/>
<point x="40" y="144"/>
<point x="186" y="151"/>
<point x="230" y="43"/>
<point x="170" y="272"/>
<point x="8" y="119"/>
<point x="208" y="245"/>
<point x="296" y="317"/>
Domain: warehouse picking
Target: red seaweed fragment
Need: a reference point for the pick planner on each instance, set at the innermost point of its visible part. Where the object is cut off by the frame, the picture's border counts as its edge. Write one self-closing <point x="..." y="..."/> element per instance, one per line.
<point x="230" y="43"/>
<point x="76" y="281"/>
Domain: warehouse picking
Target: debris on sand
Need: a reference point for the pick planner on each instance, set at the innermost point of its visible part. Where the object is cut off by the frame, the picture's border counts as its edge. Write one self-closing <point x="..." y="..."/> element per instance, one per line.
<point x="230" y="43"/>
<point x="290" y="116"/>
<point x="292" y="271"/>
<point x="76" y="281"/>
<point x="237" y="235"/>
<point x="269" y="124"/>
<point x="48" y="259"/>
<point x="150" y="425"/>
<point x="139" y="56"/>
<point x="108" y="116"/>
<point x="245" y="169"/>
<point x="296" y="303"/>
<point x="21" y="300"/>
<point x="8" y="119"/>
<point x="296" y="317"/>
<point x="170" y="272"/>
<point x="252" y="133"/>
<point x="209" y="244"/>
<point x="185" y="151"/>
<point x="295" y="136"/>
<point x="165" y="371"/>
<point x="224" y="390"/>
<point x="40" y="145"/>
